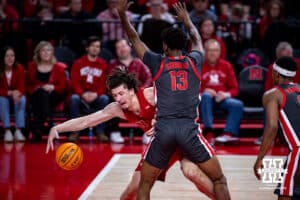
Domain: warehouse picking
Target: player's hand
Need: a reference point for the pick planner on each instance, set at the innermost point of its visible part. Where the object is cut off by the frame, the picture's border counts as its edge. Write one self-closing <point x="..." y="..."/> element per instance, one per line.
<point x="257" y="168"/>
<point x="181" y="11"/>
<point x="123" y="6"/>
<point x="52" y="135"/>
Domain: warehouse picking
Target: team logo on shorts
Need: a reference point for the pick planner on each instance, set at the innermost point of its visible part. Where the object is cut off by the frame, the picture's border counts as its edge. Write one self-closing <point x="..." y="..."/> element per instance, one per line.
<point x="273" y="171"/>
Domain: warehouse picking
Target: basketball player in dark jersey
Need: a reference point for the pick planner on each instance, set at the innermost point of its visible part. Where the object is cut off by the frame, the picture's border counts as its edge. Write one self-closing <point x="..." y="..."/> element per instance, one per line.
<point x="282" y="104"/>
<point x="177" y="84"/>
<point x="136" y="106"/>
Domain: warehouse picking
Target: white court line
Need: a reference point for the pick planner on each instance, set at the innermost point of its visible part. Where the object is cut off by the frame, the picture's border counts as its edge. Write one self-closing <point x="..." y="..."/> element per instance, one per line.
<point x="99" y="177"/>
<point x="116" y="158"/>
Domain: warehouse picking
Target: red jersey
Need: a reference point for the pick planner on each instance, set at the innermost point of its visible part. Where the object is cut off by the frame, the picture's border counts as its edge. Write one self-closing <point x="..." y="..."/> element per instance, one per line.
<point x="146" y="115"/>
<point x="88" y="76"/>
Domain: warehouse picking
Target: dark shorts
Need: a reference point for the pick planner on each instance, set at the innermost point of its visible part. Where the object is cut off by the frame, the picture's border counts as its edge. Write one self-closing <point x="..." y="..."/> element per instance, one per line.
<point x="291" y="180"/>
<point x="171" y="134"/>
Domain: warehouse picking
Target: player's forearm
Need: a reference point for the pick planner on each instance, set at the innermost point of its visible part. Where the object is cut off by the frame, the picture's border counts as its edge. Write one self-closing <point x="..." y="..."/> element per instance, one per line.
<point x="268" y="138"/>
<point x="129" y="29"/>
<point x="76" y="124"/>
<point x="194" y="35"/>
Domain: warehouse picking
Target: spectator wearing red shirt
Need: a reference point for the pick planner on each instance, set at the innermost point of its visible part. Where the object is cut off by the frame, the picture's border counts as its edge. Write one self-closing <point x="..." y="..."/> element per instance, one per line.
<point x="274" y="12"/>
<point x="12" y="88"/>
<point x="88" y="76"/>
<point x="10" y="13"/>
<point x="134" y="66"/>
<point x="282" y="49"/>
<point x="207" y="31"/>
<point x="46" y="86"/>
<point x="218" y="87"/>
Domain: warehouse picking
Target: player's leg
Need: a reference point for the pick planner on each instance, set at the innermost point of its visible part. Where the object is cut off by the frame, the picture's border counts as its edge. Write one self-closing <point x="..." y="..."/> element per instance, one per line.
<point x="214" y="171"/>
<point x="197" y="149"/>
<point x="132" y="188"/>
<point x="161" y="148"/>
<point x="203" y="183"/>
<point x="149" y="175"/>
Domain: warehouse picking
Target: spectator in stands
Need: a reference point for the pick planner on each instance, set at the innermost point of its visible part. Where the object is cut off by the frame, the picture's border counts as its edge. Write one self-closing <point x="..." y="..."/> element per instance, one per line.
<point x="46" y="86"/>
<point x="12" y="88"/>
<point x="218" y="88"/>
<point x="88" y="75"/>
<point x="111" y="31"/>
<point x="274" y="12"/>
<point x="74" y="38"/>
<point x="132" y="65"/>
<point x="30" y="7"/>
<point x="7" y="12"/>
<point x="157" y="10"/>
<point x="282" y="49"/>
<point x="207" y="31"/>
<point x="237" y="32"/>
<point x="200" y="11"/>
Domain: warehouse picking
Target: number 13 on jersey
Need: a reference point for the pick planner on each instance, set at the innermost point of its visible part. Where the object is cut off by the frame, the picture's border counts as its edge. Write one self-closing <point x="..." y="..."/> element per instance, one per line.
<point x="178" y="80"/>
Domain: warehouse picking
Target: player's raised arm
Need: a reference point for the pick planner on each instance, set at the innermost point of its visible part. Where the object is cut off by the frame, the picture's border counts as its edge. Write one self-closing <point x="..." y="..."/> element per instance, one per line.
<point x="183" y="15"/>
<point x="270" y="104"/>
<point x="133" y="36"/>
<point x="110" y="111"/>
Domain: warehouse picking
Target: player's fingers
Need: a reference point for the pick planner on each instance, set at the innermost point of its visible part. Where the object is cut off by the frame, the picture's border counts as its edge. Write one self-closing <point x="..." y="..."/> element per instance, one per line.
<point x="184" y="5"/>
<point x="129" y="4"/>
<point x="47" y="148"/>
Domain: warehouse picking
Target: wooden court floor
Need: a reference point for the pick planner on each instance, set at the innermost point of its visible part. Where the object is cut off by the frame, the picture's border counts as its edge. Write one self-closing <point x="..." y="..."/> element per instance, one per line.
<point x="112" y="180"/>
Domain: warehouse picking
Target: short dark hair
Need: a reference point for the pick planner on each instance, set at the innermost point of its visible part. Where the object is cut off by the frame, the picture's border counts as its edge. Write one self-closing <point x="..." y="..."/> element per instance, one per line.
<point x="91" y="40"/>
<point x="174" y="38"/>
<point x="121" y="76"/>
<point x="287" y="63"/>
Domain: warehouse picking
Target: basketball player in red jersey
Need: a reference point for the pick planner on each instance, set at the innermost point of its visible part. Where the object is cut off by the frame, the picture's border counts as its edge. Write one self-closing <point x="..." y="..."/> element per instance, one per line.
<point x="177" y="84"/>
<point x="135" y="106"/>
<point x="282" y="104"/>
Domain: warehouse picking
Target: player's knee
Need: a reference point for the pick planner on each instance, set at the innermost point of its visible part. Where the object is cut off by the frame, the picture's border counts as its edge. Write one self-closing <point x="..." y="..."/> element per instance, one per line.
<point x="190" y="172"/>
<point x="220" y="180"/>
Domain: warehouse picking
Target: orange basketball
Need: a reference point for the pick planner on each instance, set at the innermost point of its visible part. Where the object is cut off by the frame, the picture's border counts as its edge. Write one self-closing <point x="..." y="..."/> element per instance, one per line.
<point x="69" y="156"/>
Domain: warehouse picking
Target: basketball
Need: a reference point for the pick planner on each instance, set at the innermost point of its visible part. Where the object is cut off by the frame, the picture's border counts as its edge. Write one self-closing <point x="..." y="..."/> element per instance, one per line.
<point x="69" y="156"/>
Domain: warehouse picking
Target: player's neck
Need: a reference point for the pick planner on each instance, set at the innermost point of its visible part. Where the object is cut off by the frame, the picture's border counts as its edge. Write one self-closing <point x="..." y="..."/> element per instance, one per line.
<point x="135" y="105"/>
<point x="174" y="53"/>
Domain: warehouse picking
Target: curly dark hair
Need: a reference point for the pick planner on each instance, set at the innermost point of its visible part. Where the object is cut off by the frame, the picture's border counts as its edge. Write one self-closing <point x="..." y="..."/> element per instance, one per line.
<point x="174" y="38"/>
<point x="121" y="76"/>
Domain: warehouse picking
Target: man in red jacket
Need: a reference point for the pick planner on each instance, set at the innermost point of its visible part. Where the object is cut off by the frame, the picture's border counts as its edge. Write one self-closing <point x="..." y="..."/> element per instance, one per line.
<point x="218" y="87"/>
<point x="88" y="75"/>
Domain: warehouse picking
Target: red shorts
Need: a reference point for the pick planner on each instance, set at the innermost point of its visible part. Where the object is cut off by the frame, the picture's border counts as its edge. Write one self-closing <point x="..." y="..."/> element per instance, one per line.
<point x="162" y="177"/>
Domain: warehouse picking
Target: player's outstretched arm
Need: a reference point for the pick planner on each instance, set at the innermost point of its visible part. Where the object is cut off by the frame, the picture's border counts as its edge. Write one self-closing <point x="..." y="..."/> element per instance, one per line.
<point x="183" y="15"/>
<point x="110" y="111"/>
<point x="270" y="104"/>
<point x="133" y="36"/>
